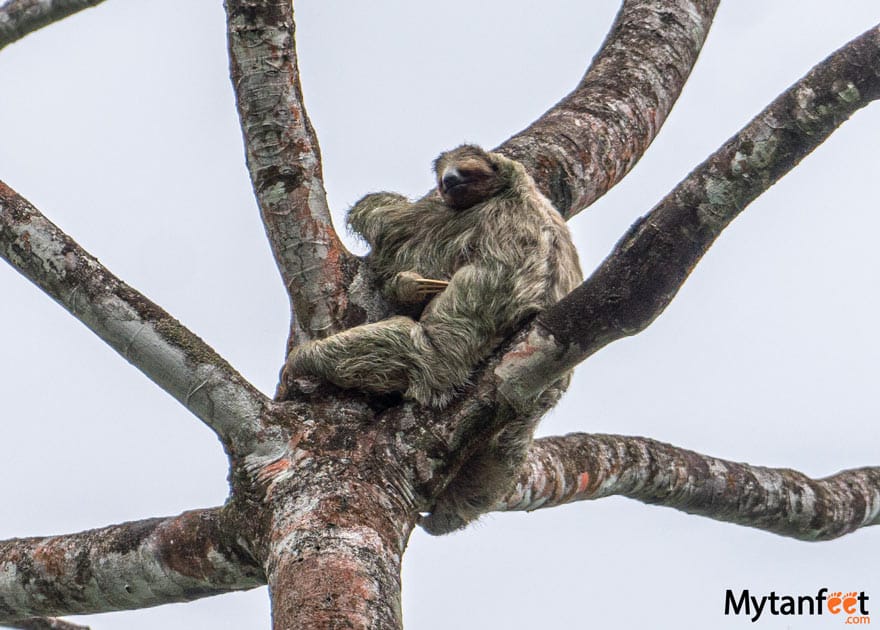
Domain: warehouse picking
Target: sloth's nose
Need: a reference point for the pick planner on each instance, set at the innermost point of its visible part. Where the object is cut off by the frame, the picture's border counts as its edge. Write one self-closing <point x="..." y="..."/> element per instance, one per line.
<point x="451" y="177"/>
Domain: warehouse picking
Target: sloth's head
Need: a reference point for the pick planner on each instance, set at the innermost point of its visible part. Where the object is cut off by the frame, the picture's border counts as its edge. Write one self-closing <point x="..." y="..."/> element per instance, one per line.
<point x="468" y="175"/>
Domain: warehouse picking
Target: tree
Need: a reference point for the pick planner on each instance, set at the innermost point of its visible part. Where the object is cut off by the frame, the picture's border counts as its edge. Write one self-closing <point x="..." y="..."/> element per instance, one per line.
<point x="220" y="296"/>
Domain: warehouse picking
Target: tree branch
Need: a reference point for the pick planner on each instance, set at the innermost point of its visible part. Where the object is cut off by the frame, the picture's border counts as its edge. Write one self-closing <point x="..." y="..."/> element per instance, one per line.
<point x="44" y="623"/>
<point x="21" y="17"/>
<point x="581" y="466"/>
<point x="636" y="282"/>
<point x="285" y="164"/>
<point x="591" y="139"/>
<point x="145" y="335"/>
<point x="123" y="567"/>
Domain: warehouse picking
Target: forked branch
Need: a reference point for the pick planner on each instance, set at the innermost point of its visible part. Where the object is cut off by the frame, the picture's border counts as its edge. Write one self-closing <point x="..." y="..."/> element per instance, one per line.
<point x="581" y="467"/>
<point x="20" y="17"/>
<point x="636" y="282"/>
<point x="145" y="335"/>
<point x="576" y="151"/>
<point x="585" y="144"/>
<point x="124" y="567"/>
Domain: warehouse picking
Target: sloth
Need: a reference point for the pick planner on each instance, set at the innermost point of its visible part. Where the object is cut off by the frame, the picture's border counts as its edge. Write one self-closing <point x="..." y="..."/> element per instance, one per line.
<point x="479" y="255"/>
<point x="464" y="266"/>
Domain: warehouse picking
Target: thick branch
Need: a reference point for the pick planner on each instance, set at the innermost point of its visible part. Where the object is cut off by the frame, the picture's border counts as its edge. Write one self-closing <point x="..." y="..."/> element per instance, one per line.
<point x="582" y="466"/>
<point x="145" y="335"/>
<point x="652" y="261"/>
<point x="592" y="138"/>
<point x="326" y="571"/>
<point x="20" y="17"/>
<point x="339" y="526"/>
<point x="285" y="163"/>
<point x="124" y="567"/>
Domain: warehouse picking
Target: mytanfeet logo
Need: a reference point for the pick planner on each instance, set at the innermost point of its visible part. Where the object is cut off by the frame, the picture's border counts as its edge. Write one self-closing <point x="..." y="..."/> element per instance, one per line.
<point x="850" y="606"/>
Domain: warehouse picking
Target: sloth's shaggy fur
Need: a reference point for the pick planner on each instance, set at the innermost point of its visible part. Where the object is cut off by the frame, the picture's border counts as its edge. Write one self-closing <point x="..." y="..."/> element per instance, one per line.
<point x="505" y="251"/>
<point x="506" y="254"/>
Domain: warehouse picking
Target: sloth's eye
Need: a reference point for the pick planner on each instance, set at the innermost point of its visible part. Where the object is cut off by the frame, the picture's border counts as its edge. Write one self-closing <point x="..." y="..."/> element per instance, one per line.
<point x="471" y="174"/>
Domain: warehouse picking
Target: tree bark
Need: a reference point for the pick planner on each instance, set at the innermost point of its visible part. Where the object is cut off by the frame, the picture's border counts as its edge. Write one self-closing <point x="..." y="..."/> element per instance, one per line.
<point x="285" y="165"/>
<point x="21" y="17"/>
<point x="579" y="149"/>
<point x="124" y="567"/>
<point x="636" y="282"/>
<point x="44" y="623"/>
<point x="582" y="466"/>
<point x="145" y="335"/>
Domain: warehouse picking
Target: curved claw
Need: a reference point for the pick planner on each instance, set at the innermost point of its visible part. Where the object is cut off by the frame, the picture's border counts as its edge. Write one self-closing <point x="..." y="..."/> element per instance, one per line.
<point x="427" y="286"/>
<point x="410" y="287"/>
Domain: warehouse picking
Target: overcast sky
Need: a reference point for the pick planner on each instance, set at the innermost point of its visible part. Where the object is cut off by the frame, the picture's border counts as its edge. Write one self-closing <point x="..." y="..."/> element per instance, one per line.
<point x="119" y="125"/>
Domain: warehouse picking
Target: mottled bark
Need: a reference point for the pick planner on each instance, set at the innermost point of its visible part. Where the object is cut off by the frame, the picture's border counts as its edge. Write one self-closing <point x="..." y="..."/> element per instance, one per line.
<point x="20" y="17"/>
<point x="645" y="270"/>
<point x="581" y="466"/>
<point x="337" y="508"/>
<point x="285" y="165"/>
<point x="123" y="567"/>
<point x="585" y="144"/>
<point x="146" y="336"/>
<point x="335" y="560"/>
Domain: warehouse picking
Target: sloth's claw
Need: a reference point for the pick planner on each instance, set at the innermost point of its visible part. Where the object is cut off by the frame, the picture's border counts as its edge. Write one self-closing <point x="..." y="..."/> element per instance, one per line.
<point x="427" y="286"/>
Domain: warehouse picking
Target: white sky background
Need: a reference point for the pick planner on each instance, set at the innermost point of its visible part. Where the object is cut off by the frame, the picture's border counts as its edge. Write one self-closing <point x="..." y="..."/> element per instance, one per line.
<point x="119" y="125"/>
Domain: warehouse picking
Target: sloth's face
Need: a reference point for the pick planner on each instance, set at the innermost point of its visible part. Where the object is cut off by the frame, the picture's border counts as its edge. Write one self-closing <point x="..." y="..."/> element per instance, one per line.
<point x="466" y="176"/>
